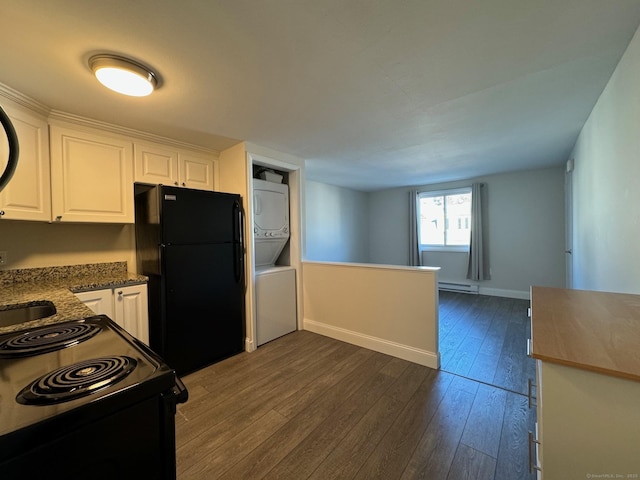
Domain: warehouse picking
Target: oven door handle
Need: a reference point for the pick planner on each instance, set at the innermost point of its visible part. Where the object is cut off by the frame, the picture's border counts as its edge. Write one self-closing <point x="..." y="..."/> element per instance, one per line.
<point x="180" y="392"/>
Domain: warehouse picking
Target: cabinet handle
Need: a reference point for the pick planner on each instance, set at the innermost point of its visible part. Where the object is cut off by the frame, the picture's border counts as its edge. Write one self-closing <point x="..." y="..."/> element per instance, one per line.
<point x="1" y="213"/>
<point x="120" y="293"/>
<point x="530" y="397"/>
<point x="533" y="461"/>
<point x="184" y="184"/>
<point x="58" y="218"/>
<point x="528" y="347"/>
<point x="176" y="184"/>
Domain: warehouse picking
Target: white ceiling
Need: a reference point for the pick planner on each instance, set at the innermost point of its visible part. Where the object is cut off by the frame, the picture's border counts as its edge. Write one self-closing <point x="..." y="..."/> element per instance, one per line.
<point x="373" y="94"/>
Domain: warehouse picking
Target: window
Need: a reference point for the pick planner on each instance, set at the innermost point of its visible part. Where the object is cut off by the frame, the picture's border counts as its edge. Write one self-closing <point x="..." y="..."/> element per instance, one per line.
<point x="445" y="219"/>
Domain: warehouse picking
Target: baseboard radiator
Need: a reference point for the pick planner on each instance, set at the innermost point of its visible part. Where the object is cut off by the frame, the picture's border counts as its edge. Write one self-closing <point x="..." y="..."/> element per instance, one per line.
<point x="458" y="287"/>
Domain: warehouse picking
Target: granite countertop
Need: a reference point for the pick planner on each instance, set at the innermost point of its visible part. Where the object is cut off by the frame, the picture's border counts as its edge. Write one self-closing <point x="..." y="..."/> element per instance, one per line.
<point x="58" y="285"/>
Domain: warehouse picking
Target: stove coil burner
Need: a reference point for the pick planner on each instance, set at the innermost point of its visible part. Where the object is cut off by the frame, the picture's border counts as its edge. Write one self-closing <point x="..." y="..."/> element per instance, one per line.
<point x="76" y="381"/>
<point x="47" y="339"/>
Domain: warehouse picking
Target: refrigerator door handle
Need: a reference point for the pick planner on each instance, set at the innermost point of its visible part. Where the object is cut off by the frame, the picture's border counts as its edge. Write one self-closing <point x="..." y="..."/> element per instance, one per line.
<point x="239" y="244"/>
<point x="161" y="258"/>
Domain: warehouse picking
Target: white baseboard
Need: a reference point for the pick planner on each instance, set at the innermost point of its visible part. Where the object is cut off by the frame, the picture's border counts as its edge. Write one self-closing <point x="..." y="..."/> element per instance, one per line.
<point x="405" y="352"/>
<point x="499" y="292"/>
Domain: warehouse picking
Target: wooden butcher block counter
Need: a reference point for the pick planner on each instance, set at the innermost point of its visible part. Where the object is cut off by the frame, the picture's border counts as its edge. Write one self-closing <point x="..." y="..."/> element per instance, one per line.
<point x="595" y="331"/>
<point x="587" y="350"/>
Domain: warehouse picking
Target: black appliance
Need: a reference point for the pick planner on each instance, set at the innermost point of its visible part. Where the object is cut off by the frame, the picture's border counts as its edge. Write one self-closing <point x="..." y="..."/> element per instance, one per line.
<point x="13" y="153"/>
<point x="190" y="245"/>
<point x="84" y="399"/>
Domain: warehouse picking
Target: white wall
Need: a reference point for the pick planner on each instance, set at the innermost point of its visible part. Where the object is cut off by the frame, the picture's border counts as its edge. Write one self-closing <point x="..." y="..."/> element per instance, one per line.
<point x="336" y="224"/>
<point x="389" y="224"/>
<point x="525" y="222"/>
<point x="393" y="310"/>
<point x="606" y="185"/>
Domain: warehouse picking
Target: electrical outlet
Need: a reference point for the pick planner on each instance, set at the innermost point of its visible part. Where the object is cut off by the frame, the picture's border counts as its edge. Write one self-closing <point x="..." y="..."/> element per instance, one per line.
<point x="3" y="258"/>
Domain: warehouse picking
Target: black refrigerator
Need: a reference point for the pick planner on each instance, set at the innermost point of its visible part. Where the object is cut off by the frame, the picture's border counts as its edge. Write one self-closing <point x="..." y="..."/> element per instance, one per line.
<point x="190" y="245"/>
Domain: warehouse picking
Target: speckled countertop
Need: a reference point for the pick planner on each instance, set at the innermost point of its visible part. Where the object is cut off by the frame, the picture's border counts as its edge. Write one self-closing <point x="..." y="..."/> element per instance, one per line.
<point x="58" y="285"/>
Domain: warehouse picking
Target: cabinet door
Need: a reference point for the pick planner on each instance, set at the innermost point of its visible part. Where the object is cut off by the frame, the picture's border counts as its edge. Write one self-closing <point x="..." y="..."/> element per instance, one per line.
<point x="28" y="194"/>
<point x="131" y="310"/>
<point x="91" y="177"/>
<point x="196" y="171"/>
<point x="590" y="424"/>
<point x="99" y="301"/>
<point x="155" y="164"/>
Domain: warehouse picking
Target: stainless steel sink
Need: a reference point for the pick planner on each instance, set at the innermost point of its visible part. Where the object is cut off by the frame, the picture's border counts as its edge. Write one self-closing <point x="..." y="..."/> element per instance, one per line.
<point x="25" y="312"/>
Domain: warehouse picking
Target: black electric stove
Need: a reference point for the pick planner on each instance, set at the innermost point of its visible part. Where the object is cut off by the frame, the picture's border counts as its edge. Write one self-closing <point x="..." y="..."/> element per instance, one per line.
<point x="84" y="399"/>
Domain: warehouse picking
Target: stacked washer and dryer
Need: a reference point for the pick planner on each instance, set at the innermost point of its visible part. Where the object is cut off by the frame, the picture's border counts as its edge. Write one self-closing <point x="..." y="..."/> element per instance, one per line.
<point x="275" y="284"/>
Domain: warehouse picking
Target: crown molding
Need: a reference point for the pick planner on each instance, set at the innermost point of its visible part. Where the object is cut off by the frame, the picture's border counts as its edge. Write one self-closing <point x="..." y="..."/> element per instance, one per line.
<point x="51" y="114"/>
<point x="15" y="96"/>
<point x="120" y="130"/>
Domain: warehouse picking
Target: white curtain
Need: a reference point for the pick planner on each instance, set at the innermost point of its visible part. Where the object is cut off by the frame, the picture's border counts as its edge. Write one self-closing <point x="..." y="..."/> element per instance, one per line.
<point x="478" y="268"/>
<point x="414" y="246"/>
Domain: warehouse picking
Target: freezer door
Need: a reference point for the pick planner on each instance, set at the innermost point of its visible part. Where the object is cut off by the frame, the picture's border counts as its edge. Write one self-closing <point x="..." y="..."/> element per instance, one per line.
<point x="204" y="305"/>
<point x="197" y="216"/>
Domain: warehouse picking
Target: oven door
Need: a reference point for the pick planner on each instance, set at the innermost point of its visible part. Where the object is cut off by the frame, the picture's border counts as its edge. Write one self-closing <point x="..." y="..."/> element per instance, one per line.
<point x="135" y="442"/>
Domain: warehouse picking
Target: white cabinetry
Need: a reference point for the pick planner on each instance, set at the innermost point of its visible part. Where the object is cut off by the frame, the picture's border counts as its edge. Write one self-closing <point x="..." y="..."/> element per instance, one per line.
<point x="28" y="194"/>
<point x="99" y="301"/>
<point x="160" y="164"/>
<point x="91" y="176"/>
<point x="132" y="310"/>
<point x="588" y="384"/>
<point x="127" y="306"/>
<point x="588" y="424"/>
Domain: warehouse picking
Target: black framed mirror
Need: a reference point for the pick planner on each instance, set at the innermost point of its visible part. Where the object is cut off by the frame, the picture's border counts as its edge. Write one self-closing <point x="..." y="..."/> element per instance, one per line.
<point x="9" y="149"/>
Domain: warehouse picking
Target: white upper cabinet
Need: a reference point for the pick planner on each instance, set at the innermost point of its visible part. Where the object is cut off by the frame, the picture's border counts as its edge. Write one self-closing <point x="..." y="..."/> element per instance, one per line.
<point x="79" y="170"/>
<point x="196" y="171"/>
<point x="91" y="176"/>
<point x="160" y="164"/>
<point x="28" y="194"/>
<point x="155" y="164"/>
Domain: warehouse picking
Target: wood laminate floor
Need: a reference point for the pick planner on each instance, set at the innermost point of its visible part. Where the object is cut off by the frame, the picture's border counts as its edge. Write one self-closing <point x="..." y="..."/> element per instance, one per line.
<point x="309" y="407"/>
<point x="485" y="338"/>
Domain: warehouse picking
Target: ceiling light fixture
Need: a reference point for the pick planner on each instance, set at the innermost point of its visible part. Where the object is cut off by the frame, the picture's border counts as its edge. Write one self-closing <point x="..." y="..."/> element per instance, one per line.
<point x="123" y="75"/>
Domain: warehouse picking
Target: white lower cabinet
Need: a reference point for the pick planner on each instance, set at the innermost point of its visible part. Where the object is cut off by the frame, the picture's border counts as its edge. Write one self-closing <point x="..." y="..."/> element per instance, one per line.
<point x="587" y="392"/>
<point x="588" y="424"/>
<point x="127" y="306"/>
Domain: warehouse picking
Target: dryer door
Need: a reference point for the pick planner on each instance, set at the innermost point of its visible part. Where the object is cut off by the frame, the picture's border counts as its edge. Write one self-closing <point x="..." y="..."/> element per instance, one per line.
<point x="270" y="210"/>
